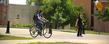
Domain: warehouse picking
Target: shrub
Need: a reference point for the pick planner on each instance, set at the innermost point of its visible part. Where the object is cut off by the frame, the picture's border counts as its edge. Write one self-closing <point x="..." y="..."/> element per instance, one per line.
<point x="21" y="25"/>
<point x="103" y="15"/>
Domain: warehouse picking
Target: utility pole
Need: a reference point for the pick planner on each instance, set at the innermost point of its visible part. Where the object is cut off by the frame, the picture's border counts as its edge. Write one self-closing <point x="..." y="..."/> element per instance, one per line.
<point x="7" y="17"/>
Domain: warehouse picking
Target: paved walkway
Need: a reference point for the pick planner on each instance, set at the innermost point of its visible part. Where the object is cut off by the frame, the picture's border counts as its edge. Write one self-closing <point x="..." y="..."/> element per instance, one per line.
<point x="57" y="36"/>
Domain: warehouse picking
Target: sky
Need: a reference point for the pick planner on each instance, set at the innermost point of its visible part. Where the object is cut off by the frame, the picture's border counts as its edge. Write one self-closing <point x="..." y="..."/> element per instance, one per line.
<point x="19" y="2"/>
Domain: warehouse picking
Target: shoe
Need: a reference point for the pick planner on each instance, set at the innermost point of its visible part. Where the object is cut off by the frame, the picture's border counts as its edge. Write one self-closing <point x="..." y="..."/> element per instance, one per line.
<point x="79" y="36"/>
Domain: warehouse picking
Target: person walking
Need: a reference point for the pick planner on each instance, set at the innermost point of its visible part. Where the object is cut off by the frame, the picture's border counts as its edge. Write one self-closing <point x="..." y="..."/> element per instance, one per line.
<point x="79" y="26"/>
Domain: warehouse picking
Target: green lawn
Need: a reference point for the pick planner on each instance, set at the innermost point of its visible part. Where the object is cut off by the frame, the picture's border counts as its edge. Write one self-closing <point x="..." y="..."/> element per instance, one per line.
<point x="9" y="37"/>
<point x="52" y="43"/>
<point x="86" y="31"/>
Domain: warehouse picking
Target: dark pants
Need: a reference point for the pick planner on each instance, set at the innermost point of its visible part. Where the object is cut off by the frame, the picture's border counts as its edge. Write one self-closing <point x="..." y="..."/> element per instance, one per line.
<point x="83" y="30"/>
<point x="80" y="31"/>
<point x="39" y="26"/>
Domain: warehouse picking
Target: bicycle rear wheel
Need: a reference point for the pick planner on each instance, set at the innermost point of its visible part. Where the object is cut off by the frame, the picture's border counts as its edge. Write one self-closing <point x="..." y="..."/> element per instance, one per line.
<point x="47" y="32"/>
<point x="33" y="31"/>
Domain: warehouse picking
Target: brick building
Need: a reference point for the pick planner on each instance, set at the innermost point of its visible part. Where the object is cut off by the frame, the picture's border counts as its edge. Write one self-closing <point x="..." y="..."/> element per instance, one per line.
<point x="3" y="11"/>
<point x="100" y="25"/>
<point x="89" y="7"/>
<point x="10" y="12"/>
<point x="20" y="14"/>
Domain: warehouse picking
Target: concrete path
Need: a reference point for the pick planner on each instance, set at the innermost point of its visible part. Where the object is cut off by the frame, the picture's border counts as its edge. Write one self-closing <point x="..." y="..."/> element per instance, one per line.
<point x="57" y="36"/>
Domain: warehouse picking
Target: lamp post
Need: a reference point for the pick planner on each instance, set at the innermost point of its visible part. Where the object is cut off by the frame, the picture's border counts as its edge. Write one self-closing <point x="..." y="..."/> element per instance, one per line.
<point x="8" y="22"/>
<point x="92" y="12"/>
<point x="8" y="27"/>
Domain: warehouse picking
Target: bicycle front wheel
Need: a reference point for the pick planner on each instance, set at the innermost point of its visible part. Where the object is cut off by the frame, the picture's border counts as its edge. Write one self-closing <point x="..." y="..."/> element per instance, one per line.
<point x="33" y="31"/>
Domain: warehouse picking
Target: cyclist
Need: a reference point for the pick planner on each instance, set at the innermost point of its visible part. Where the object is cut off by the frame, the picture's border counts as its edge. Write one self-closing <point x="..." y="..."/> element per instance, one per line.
<point x="39" y="20"/>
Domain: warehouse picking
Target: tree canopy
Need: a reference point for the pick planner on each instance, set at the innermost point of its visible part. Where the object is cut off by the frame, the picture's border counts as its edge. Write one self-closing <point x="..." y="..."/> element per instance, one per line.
<point x="61" y="12"/>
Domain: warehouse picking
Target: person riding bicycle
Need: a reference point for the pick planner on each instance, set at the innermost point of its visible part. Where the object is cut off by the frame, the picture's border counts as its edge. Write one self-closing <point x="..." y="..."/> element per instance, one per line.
<point x="39" y="20"/>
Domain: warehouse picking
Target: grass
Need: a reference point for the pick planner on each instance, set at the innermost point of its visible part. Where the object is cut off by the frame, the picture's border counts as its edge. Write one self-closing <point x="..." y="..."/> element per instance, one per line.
<point x="9" y="37"/>
<point x="86" y="31"/>
<point x="53" y="43"/>
<point x="21" y="25"/>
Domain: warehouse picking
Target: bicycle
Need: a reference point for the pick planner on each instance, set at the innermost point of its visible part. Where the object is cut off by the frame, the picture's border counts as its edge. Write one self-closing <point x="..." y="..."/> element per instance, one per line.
<point x="46" y="31"/>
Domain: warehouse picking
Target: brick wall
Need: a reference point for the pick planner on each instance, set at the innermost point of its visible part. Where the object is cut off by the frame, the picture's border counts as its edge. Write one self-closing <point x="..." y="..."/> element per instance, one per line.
<point x="86" y="4"/>
<point x="3" y="15"/>
<point x="99" y="25"/>
<point x="24" y="12"/>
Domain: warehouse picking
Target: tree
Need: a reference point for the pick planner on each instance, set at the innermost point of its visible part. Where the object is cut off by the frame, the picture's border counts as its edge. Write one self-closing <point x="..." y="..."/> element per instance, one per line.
<point x="61" y="12"/>
<point x="33" y="2"/>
